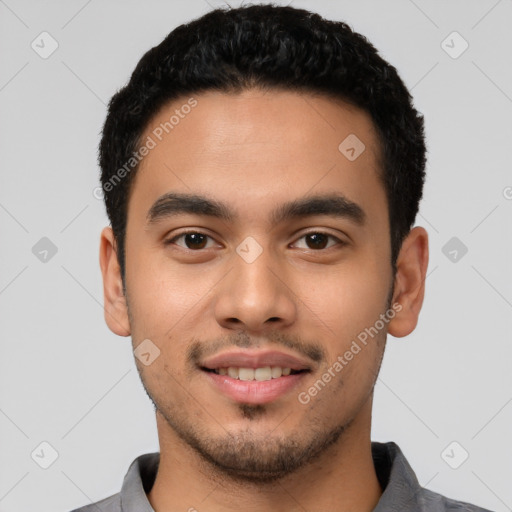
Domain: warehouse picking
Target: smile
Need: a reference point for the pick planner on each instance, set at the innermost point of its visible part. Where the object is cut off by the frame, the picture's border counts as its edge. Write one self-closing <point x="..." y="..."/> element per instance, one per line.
<point x="260" y="374"/>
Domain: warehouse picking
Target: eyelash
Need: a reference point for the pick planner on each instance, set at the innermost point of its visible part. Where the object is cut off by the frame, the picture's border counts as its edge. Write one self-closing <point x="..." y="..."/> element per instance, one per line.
<point x="173" y="239"/>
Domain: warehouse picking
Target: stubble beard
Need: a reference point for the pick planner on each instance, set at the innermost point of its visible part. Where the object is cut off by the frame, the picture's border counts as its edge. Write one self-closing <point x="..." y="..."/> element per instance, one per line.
<point x="249" y="458"/>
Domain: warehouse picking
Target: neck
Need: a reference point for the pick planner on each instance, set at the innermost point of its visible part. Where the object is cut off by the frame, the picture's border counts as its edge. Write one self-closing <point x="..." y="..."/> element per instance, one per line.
<point x="343" y="478"/>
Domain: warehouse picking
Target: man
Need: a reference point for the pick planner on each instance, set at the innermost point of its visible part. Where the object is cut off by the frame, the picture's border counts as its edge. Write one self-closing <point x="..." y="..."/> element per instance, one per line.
<point x="262" y="172"/>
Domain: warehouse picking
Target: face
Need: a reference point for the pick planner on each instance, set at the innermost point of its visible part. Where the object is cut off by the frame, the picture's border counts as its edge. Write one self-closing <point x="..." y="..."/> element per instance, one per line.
<point x="257" y="256"/>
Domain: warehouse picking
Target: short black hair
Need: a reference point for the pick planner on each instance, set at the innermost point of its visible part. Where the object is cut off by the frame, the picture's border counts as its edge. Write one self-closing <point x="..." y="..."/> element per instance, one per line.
<point x="267" y="47"/>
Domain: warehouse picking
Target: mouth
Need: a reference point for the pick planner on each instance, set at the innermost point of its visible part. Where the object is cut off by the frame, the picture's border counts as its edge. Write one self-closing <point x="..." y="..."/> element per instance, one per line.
<point x="263" y="373"/>
<point x="255" y="377"/>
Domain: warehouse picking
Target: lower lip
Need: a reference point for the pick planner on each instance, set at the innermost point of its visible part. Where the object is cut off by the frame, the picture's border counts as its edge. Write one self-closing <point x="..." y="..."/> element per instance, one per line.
<point x="254" y="391"/>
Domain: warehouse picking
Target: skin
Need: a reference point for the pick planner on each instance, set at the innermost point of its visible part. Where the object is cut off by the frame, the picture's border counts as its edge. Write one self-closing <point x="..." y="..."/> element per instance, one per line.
<point x="254" y="151"/>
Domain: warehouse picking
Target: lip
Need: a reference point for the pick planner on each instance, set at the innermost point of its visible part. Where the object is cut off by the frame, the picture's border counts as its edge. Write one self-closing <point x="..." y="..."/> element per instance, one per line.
<point x="253" y="391"/>
<point x="255" y="359"/>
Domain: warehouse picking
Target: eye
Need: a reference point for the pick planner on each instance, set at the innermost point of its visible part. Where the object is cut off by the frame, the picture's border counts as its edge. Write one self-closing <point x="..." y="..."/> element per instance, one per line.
<point x="195" y="240"/>
<point x="318" y="240"/>
<point x="192" y="240"/>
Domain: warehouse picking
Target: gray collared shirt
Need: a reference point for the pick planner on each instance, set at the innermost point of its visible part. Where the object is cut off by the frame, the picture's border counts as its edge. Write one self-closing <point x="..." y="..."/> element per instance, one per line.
<point x="401" y="490"/>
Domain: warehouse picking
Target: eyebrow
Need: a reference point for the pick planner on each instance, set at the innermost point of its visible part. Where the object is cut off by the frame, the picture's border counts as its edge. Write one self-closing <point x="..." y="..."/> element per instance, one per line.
<point x="334" y="205"/>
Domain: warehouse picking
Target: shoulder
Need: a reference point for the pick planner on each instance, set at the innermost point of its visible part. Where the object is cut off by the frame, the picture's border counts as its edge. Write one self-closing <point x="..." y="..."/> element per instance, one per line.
<point x="400" y="485"/>
<point x="110" y="504"/>
<point x="137" y="481"/>
<point x="430" y="500"/>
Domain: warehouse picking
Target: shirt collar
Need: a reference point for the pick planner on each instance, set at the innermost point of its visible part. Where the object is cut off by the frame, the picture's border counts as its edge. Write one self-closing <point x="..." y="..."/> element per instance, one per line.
<point x="396" y="477"/>
<point x="401" y="489"/>
<point x="138" y="481"/>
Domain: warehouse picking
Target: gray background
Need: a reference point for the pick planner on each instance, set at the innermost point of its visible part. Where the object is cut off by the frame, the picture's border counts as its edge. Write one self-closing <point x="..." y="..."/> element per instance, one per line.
<point x="67" y="380"/>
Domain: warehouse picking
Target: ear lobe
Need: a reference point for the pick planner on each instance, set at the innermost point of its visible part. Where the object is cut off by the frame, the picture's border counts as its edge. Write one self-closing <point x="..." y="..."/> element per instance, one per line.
<point x="412" y="263"/>
<point x="115" y="307"/>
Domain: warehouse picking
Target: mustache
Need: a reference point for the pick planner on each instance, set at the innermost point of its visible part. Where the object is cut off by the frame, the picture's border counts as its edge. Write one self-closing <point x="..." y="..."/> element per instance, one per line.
<point x="199" y="350"/>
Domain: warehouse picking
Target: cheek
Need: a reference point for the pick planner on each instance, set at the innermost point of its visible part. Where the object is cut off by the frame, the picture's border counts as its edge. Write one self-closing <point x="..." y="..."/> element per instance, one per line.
<point x="164" y="382"/>
<point x="344" y="301"/>
<point x="161" y="295"/>
<point x="342" y="386"/>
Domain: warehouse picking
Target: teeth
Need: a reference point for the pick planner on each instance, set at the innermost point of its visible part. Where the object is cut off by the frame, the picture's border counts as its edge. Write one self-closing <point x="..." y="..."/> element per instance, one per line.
<point x="246" y="374"/>
<point x="263" y="373"/>
<point x="277" y="371"/>
<point x="259" y="374"/>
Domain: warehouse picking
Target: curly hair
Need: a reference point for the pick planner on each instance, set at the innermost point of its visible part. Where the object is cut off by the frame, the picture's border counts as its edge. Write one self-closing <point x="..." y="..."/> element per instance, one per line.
<point x="266" y="46"/>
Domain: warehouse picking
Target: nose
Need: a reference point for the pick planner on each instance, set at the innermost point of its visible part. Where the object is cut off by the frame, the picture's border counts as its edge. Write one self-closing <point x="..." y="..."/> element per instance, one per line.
<point x="255" y="296"/>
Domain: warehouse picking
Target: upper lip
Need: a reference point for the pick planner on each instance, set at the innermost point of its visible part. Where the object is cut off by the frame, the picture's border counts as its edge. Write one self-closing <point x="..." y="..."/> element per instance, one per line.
<point x="255" y="359"/>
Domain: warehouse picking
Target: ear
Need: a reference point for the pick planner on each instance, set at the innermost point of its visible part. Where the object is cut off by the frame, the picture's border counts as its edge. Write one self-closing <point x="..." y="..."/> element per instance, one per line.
<point x="115" y="307"/>
<point x="410" y="277"/>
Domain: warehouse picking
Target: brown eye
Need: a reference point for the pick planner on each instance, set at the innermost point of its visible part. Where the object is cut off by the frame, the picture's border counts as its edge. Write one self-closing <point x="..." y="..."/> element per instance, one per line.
<point x="318" y="240"/>
<point x="192" y="240"/>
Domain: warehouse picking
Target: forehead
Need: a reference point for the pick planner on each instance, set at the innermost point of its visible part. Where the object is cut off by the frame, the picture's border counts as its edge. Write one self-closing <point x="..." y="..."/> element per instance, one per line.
<point x="259" y="147"/>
